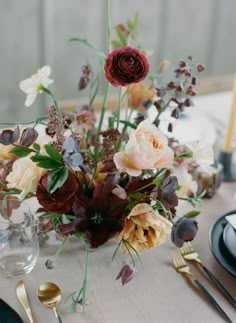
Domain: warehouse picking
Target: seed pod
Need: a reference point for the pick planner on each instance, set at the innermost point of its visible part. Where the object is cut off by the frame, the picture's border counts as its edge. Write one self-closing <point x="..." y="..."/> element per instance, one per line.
<point x="8" y="136"/>
<point x="28" y="137"/>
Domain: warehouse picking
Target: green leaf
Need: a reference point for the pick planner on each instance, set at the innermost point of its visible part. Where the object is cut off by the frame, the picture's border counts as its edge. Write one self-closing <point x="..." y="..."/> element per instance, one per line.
<point x="45" y="162"/>
<point x="20" y="151"/>
<point x="156" y="181"/>
<point x="36" y="146"/>
<point x="52" y="216"/>
<point x="53" y="153"/>
<point x="65" y="219"/>
<point x="57" y="178"/>
<point x="122" y="39"/>
<point x="129" y="124"/>
<point x="79" y="235"/>
<point x="192" y="214"/>
<point x="99" y="53"/>
<point x="132" y="23"/>
<point x="136" y="196"/>
<point x="116" y="44"/>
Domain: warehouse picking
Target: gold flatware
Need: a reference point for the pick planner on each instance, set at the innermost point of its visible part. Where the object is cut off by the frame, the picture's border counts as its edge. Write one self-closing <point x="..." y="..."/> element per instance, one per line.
<point x="189" y="253"/>
<point x="22" y="296"/>
<point x="181" y="267"/>
<point x="49" y="295"/>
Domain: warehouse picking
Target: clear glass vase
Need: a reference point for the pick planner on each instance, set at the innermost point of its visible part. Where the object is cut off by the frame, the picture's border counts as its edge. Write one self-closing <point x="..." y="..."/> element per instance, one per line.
<point x="19" y="247"/>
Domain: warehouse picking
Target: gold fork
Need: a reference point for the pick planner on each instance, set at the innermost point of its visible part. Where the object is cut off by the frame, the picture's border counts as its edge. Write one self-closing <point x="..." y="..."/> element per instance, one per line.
<point x="181" y="267"/>
<point x="189" y="253"/>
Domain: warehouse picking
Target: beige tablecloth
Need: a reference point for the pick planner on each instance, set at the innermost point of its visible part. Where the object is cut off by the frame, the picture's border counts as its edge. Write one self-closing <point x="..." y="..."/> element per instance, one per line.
<point x="157" y="294"/>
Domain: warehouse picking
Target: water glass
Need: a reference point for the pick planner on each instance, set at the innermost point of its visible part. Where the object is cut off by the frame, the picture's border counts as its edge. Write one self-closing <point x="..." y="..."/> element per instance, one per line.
<point x="19" y="247"/>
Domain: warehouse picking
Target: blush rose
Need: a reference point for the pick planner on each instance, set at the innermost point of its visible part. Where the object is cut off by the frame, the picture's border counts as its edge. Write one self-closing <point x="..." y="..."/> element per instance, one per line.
<point x="125" y="65"/>
<point x="147" y="148"/>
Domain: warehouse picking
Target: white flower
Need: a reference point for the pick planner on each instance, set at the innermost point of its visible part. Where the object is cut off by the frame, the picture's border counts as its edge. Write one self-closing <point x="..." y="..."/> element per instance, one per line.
<point x="186" y="183"/>
<point x="203" y="154"/>
<point x="32" y="85"/>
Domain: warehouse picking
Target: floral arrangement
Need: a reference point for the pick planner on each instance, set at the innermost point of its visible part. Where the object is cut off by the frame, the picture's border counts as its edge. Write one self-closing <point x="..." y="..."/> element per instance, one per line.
<point x="110" y="173"/>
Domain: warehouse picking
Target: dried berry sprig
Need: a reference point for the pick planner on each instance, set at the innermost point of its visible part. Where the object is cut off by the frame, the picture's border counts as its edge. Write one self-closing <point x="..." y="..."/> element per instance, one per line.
<point x="180" y="90"/>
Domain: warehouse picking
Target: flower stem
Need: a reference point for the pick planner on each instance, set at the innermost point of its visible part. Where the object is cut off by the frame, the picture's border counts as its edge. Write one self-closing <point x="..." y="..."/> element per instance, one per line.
<point x="37" y="121"/>
<point x="108" y="26"/>
<point x="108" y="49"/>
<point x="118" y="107"/>
<point x="53" y="98"/>
<point x="187" y="154"/>
<point x="103" y="110"/>
<point x="85" y="278"/>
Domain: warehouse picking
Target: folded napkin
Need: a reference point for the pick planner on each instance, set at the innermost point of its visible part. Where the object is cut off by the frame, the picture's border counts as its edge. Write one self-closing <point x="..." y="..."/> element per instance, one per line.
<point x="232" y="220"/>
<point x="7" y="314"/>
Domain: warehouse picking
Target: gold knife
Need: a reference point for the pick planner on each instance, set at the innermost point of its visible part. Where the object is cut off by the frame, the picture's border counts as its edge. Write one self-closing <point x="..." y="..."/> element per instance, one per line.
<point x="22" y="296"/>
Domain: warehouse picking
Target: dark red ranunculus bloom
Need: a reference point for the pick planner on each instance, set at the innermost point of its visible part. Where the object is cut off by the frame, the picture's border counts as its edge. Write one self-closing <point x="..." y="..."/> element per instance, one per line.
<point x="98" y="217"/>
<point x="62" y="199"/>
<point x="125" y="65"/>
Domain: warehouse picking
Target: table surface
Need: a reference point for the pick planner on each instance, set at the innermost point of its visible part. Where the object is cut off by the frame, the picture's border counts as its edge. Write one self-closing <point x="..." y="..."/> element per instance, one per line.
<point x="157" y="293"/>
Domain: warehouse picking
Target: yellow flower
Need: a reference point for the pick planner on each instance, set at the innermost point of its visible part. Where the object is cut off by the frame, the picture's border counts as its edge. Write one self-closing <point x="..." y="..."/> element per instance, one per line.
<point x="144" y="228"/>
<point x="139" y="93"/>
<point x="25" y="176"/>
<point x="4" y="152"/>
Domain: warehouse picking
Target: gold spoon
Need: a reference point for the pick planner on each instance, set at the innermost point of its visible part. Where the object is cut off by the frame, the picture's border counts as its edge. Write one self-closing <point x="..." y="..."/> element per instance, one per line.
<point x="49" y="295"/>
<point x="22" y="295"/>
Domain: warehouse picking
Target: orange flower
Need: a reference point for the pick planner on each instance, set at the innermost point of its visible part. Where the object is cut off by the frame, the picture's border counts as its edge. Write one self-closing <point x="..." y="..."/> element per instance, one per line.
<point x="144" y="228"/>
<point x="139" y="93"/>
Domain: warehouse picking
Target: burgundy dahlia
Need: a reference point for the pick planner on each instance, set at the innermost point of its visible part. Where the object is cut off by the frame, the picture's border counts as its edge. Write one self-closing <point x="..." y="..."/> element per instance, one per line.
<point x="125" y="65"/>
<point x="62" y="199"/>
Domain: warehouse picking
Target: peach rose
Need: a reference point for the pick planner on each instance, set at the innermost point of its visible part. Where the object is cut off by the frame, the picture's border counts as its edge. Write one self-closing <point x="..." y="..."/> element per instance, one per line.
<point x="144" y="228"/>
<point x="139" y="93"/>
<point x="147" y="148"/>
<point x="25" y="176"/>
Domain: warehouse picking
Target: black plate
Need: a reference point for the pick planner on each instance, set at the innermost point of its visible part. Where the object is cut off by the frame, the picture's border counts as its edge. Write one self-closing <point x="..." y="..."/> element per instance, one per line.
<point x="218" y="248"/>
<point x="229" y="237"/>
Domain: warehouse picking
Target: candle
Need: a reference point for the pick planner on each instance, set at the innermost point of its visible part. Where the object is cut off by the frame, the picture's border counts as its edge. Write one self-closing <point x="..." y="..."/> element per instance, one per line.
<point x="232" y="119"/>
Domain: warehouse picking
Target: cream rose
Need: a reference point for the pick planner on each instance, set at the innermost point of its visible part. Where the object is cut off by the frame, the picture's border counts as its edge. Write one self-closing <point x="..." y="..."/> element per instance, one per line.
<point x="187" y="185"/>
<point x="147" y="148"/>
<point x="4" y="152"/>
<point x="25" y="176"/>
<point x="144" y="228"/>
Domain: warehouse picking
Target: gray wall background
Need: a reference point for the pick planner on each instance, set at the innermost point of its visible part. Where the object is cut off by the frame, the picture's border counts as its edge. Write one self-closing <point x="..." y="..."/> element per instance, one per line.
<point x="36" y="32"/>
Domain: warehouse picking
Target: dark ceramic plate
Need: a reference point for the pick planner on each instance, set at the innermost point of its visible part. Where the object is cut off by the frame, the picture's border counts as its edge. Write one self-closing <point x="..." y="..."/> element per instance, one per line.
<point x="217" y="245"/>
<point x="229" y="237"/>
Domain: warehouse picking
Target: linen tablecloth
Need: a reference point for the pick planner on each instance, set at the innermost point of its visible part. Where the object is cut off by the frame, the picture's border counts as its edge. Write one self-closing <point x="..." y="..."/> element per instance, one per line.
<point x="157" y="293"/>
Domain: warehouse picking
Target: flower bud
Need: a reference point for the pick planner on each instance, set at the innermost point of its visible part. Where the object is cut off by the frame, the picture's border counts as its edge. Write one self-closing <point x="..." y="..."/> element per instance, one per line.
<point x="126" y="274"/>
<point x="83" y="83"/>
<point x="50" y="263"/>
<point x="28" y="137"/>
<point x="185" y="229"/>
<point x="8" y="137"/>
